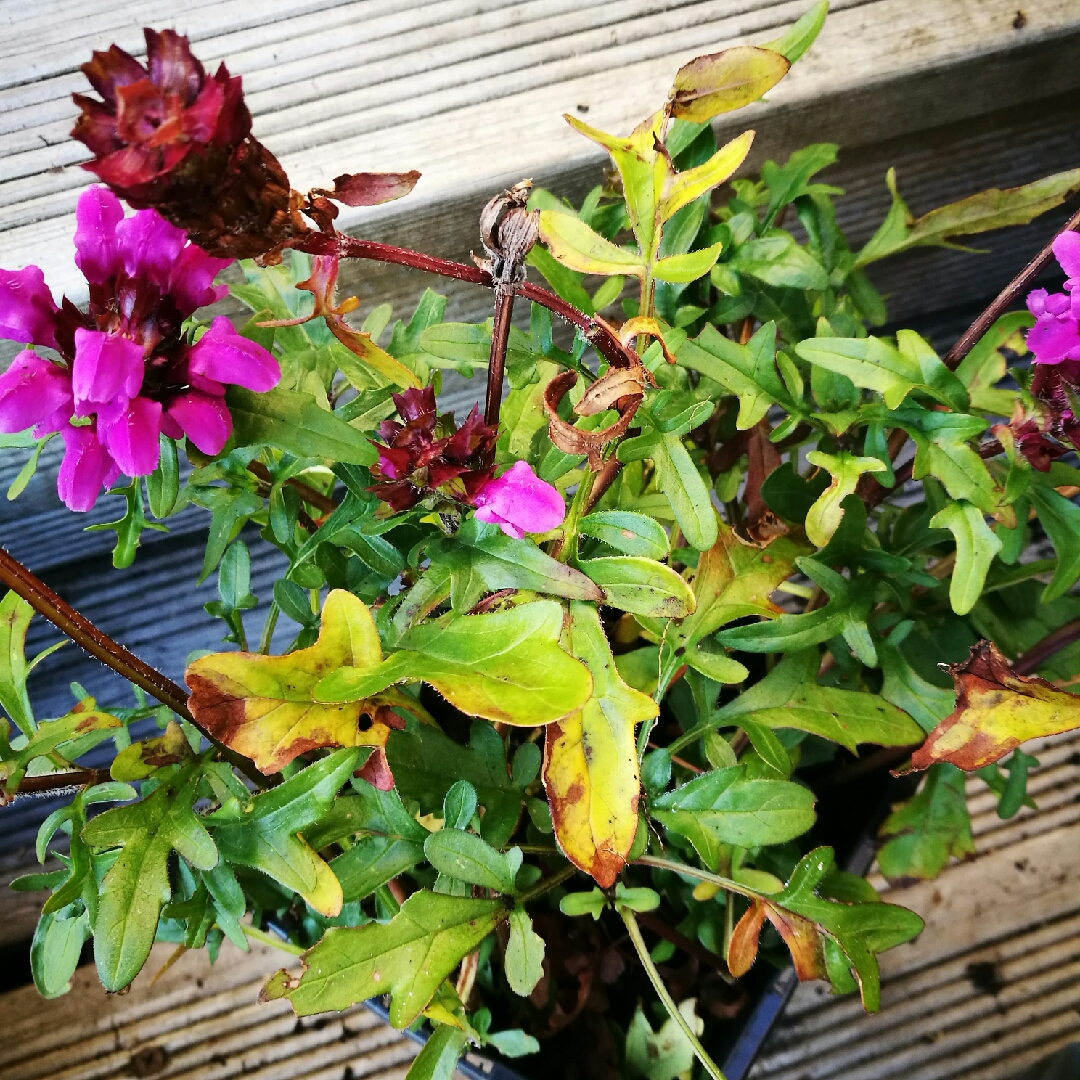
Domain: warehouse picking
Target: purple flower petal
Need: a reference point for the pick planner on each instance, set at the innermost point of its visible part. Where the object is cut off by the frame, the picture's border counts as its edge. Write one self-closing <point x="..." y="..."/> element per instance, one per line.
<point x="150" y="246"/>
<point x="27" y="311"/>
<point x="1036" y="302"/>
<point x="106" y="365"/>
<point x="31" y="390"/>
<point x="203" y="418"/>
<point x="1051" y="339"/>
<point x="223" y="355"/>
<point x="85" y="470"/>
<point x="1067" y="252"/>
<point x="1056" y="303"/>
<point x="131" y="436"/>
<point x="192" y="285"/>
<point x="520" y="502"/>
<point x="97" y="214"/>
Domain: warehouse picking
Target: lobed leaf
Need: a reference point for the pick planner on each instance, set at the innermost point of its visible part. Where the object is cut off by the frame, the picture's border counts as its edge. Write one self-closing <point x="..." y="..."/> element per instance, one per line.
<point x="407" y="958"/>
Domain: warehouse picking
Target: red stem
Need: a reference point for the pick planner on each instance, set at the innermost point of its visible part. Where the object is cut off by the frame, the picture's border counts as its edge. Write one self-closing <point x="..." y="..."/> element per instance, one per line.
<point x="1005" y="298"/>
<point x="352" y="248"/>
<point x="111" y="653"/>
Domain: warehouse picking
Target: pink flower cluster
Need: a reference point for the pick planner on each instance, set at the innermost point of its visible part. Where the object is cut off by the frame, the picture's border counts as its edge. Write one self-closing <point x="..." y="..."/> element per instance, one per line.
<point x="128" y="373"/>
<point x="520" y="502"/>
<point x="1055" y="337"/>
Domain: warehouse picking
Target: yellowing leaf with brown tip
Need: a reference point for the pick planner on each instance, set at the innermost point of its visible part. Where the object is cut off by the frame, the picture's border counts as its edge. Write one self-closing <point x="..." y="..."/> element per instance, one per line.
<point x="590" y="759"/>
<point x="263" y="707"/>
<point x="996" y="710"/>
<point x="735" y="579"/>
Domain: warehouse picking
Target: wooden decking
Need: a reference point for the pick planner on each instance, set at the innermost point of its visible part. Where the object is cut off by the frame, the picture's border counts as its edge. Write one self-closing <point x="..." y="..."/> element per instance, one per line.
<point x="957" y="94"/>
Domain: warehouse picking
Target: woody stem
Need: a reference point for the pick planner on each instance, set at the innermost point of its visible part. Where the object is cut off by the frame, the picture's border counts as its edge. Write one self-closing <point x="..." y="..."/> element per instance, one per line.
<point x="111" y="653"/>
<point x="500" y="337"/>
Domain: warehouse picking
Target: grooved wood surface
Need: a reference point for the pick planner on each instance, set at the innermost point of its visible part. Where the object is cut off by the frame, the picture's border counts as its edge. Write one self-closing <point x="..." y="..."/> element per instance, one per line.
<point x="471" y="91"/>
<point x="993" y="982"/>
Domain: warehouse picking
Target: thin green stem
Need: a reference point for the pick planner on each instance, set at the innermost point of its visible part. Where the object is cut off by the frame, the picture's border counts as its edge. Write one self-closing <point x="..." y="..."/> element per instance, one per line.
<point x="662" y="992"/>
<point x="255" y="934"/>
<point x="702" y="875"/>
<point x="547" y="884"/>
<point x="695" y="733"/>
<point x="268" y="627"/>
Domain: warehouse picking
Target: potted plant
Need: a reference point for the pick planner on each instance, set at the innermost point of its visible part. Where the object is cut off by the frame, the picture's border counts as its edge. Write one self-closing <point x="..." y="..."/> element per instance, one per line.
<point x="563" y="673"/>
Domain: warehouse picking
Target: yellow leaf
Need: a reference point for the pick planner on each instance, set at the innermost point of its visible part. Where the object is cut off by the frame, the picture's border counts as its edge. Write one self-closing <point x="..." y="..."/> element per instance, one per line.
<point x="685" y="187"/>
<point x="590" y="759"/>
<point x="719" y="82"/>
<point x="996" y="710"/>
<point x="735" y="579"/>
<point x="574" y="244"/>
<point x="263" y="707"/>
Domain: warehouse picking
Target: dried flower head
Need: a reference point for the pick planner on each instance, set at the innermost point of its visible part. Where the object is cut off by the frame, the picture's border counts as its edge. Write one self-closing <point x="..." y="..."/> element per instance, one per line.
<point x="425" y="453"/>
<point x="172" y="137"/>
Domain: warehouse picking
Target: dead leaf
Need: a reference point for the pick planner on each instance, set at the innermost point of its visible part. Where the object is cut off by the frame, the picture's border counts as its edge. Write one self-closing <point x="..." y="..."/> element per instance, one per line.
<point x="369" y="189"/>
<point x="996" y="710"/>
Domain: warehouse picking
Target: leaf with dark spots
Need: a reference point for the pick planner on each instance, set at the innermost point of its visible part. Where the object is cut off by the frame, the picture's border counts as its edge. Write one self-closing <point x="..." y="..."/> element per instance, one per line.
<point x="264" y="706"/>
<point x="996" y="710"/>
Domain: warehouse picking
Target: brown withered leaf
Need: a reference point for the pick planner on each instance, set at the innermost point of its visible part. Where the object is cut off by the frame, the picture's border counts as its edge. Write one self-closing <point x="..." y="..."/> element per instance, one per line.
<point x="763" y="457"/>
<point x="996" y="710"/>
<point x="800" y="935"/>
<point x="619" y="388"/>
<point x="369" y="188"/>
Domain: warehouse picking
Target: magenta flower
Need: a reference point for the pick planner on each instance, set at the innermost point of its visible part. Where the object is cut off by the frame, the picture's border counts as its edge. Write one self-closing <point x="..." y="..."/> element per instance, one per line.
<point x="127" y="372"/>
<point x="1055" y="337"/>
<point x="520" y="502"/>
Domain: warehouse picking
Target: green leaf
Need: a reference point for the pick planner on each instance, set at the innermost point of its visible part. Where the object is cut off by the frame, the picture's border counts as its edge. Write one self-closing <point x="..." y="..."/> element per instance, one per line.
<point x="929" y="829"/>
<point x="26" y="473"/>
<point x="55" y="950"/>
<point x="990" y="209"/>
<point x="678" y="478"/>
<point x="426" y="763"/>
<point x="666" y="1054"/>
<point x="748" y="371"/>
<point x="778" y="260"/>
<point x="584" y="903"/>
<point x="163" y="484"/>
<point x="630" y="533"/>
<point x="824" y="517"/>
<point x="746" y="813"/>
<point x="523" y="961"/>
<point x="868" y="362"/>
<point x="498" y="561"/>
<point x="714" y="663"/>
<point x="407" y="958"/>
<point x="506" y="665"/>
<point x="935" y="375"/>
<point x="391" y="840"/>
<point x="903" y="687"/>
<point x="291" y="421"/>
<point x="942" y="451"/>
<point x="985" y="365"/>
<point x="15" y="616"/>
<point x="790" y="181"/>
<point x="844" y="614"/>
<point x="439" y="1057"/>
<point x="861" y="929"/>
<point x="976" y="546"/>
<point x="466" y="857"/>
<point x="137" y="885"/>
<point x="641" y="586"/>
<point x="264" y="833"/>
<point x="575" y="245"/>
<point x="720" y="82"/>
<point x="790" y="697"/>
<point x="688" y="267"/>
<point x="1061" y="519"/>
<point x="801" y="34"/>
